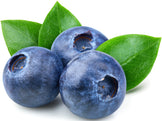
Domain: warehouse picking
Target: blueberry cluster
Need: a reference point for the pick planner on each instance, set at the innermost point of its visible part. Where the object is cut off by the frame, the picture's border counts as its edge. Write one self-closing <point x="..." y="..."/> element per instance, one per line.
<point x="92" y="84"/>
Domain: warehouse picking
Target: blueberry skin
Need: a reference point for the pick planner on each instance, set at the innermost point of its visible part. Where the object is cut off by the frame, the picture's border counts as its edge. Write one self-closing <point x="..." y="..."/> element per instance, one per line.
<point x="76" y="40"/>
<point x="31" y="76"/>
<point x="93" y="85"/>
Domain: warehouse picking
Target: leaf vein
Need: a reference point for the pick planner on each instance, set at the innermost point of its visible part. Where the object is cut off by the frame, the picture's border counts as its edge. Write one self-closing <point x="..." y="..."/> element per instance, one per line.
<point x="23" y="33"/>
<point x="136" y="54"/>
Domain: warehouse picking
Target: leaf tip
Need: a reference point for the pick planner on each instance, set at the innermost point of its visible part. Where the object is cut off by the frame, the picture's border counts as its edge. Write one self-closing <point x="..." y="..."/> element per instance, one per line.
<point x="159" y="38"/>
<point x="57" y="4"/>
<point x="2" y="21"/>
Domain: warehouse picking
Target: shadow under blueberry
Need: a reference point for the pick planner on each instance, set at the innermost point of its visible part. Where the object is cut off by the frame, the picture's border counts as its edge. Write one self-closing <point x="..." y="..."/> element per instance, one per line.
<point x="48" y="108"/>
<point x="51" y="106"/>
<point x="54" y="104"/>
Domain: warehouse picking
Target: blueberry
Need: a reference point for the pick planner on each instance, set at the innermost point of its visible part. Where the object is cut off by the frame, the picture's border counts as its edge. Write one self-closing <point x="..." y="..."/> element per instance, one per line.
<point x="93" y="85"/>
<point x="76" y="40"/>
<point x="31" y="76"/>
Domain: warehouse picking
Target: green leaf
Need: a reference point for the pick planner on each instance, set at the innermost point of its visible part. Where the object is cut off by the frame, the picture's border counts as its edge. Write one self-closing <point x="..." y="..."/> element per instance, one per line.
<point x="58" y="20"/>
<point x="136" y="54"/>
<point x="19" y="34"/>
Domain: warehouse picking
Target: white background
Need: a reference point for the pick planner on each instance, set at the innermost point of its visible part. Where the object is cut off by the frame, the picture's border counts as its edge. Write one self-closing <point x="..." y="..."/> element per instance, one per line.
<point x="111" y="17"/>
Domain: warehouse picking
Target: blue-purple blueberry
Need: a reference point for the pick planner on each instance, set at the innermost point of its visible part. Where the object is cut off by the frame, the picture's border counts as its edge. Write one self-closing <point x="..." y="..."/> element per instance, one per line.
<point x="31" y="76"/>
<point x="76" y="40"/>
<point x="93" y="85"/>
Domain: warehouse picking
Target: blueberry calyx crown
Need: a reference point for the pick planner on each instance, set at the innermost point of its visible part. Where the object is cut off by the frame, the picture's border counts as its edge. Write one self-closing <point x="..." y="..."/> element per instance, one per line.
<point x="107" y="87"/>
<point x="17" y="63"/>
<point x="82" y="41"/>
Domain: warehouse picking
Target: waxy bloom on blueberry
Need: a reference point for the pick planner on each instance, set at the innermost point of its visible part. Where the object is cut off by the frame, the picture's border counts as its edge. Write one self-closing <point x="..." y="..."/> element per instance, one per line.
<point x="31" y="76"/>
<point x="76" y="40"/>
<point x="93" y="85"/>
